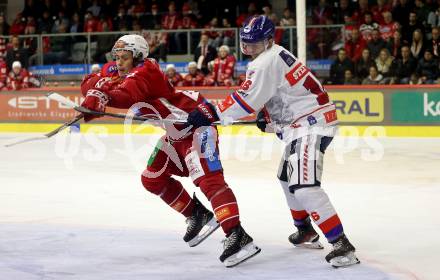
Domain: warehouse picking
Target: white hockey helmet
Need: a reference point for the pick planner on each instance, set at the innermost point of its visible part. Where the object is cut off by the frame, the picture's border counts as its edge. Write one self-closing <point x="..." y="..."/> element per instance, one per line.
<point x="134" y="43"/>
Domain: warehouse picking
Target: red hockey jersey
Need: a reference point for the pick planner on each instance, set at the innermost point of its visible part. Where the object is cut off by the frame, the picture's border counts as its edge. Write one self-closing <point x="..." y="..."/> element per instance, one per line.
<point x="145" y="83"/>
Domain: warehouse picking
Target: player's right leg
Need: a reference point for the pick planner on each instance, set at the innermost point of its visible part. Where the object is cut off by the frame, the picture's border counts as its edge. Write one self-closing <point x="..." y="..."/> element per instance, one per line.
<point x="157" y="179"/>
<point x="305" y="236"/>
<point x="301" y="172"/>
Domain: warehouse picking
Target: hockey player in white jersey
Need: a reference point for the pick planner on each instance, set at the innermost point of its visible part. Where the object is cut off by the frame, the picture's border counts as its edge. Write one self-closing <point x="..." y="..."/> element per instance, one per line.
<point x="291" y="102"/>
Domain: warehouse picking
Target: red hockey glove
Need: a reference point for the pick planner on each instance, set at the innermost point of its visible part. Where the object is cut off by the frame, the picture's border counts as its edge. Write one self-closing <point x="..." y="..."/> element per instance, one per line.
<point x="203" y="115"/>
<point x="95" y="100"/>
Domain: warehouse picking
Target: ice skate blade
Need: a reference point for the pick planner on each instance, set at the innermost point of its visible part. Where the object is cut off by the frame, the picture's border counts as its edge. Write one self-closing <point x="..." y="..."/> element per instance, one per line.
<point x="344" y="261"/>
<point x="310" y="245"/>
<point x="247" y="252"/>
<point x="206" y="231"/>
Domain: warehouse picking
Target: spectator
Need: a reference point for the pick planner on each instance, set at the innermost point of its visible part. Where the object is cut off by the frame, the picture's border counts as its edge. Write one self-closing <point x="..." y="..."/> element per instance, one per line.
<point x="173" y="76"/>
<point x="402" y="68"/>
<point x="349" y="79"/>
<point x="188" y="20"/>
<point x="374" y="78"/>
<point x="379" y="9"/>
<point x="59" y="48"/>
<point x="224" y="65"/>
<point x="77" y="25"/>
<point x="434" y="18"/>
<point x="434" y="43"/>
<point x="122" y="21"/>
<point x="18" y="78"/>
<point x="348" y="27"/>
<point x="60" y="19"/>
<point x="355" y="45"/>
<point x="321" y="12"/>
<point x="267" y="10"/>
<point x="4" y="26"/>
<point x="45" y="23"/>
<point x="376" y="44"/>
<point x="338" y="67"/>
<point x="251" y="11"/>
<point x="383" y="65"/>
<point x="362" y="67"/>
<point x="359" y="13"/>
<point x="422" y="12"/>
<point x="18" y="25"/>
<point x="343" y="9"/>
<point x="204" y="53"/>
<point x="227" y="35"/>
<point x="90" y="23"/>
<point x="194" y="77"/>
<point x="94" y="9"/>
<point x="139" y="8"/>
<point x="395" y="43"/>
<point x="170" y="20"/>
<point x="153" y="20"/>
<point x="16" y="53"/>
<point x="211" y="31"/>
<point x="412" y="26"/>
<point x="2" y="48"/>
<point x="415" y="80"/>
<point x="157" y="43"/>
<point x="388" y="27"/>
<point x="417" y="44"/>
<point x="368" y="26"/>
<point x="401" y="10"/>
<point x="427" y="68"/>
<point x="30" y="43"/>
<point x="3" y="73"/>
<point x="287" y="18"/>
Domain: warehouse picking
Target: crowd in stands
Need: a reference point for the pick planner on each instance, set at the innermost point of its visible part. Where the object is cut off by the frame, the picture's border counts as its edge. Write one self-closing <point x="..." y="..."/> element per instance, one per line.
<point x="388" y="42"/>
<point x="380" y="42"/>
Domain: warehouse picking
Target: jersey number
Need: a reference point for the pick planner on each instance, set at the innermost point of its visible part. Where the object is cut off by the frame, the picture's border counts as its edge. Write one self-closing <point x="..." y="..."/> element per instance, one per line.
<point x="246" y="85"/>
<point x="310" y="84"/>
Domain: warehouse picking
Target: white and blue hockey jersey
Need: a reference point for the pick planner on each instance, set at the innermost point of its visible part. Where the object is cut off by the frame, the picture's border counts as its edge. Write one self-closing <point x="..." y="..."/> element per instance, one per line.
<point x="292" y="96"/>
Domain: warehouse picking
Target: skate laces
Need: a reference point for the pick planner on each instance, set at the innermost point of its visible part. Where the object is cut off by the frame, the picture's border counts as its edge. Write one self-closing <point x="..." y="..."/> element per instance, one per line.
<point x="228" y="241"/>
<point x="191" y="223"/>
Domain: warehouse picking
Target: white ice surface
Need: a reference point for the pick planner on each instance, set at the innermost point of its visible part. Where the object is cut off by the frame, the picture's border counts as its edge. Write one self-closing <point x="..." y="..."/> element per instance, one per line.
<point x="80" y="212"/>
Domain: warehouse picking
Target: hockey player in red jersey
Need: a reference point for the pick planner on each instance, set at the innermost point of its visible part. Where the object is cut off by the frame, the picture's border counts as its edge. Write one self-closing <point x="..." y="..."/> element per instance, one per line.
<point x="182" y="151"/>
<point x="18" y="78"/>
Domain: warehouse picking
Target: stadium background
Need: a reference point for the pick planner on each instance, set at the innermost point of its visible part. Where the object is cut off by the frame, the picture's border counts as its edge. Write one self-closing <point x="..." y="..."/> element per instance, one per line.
<point x="58" y="42"/>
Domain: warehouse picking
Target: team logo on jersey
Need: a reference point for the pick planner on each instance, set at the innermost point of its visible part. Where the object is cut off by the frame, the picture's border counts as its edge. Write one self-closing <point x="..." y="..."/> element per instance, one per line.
<point x="296" y="74"/>
<point x="288" y="59"/>
<point x="312" y="120"/>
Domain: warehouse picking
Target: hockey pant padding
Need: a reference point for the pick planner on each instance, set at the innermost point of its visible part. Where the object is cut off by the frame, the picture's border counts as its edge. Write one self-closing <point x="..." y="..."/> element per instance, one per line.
<point x="299" y="214"/>
<point x="317" y="204"/>
<point x="171" y="191"/>
<point x="222" y="199"/>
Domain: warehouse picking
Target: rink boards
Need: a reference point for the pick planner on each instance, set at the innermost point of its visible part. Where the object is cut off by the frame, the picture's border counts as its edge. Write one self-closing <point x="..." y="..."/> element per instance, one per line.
<point x="396" y="111"/>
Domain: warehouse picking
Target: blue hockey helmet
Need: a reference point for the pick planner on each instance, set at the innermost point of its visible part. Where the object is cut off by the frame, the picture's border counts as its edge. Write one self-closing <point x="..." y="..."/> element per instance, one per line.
<point x="257" y="28"/>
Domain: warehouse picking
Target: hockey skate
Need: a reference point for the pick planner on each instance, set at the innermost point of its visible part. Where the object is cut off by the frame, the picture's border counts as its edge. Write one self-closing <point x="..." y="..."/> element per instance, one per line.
<point x="238" y="247"/>
<point x="201" y="224"/>
<point x="342" y="253"/>
<point x="306" y="237"/>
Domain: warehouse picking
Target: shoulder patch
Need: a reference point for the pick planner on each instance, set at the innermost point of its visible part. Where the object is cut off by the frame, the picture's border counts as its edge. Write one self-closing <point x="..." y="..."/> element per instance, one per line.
<point x="288" y="59"/>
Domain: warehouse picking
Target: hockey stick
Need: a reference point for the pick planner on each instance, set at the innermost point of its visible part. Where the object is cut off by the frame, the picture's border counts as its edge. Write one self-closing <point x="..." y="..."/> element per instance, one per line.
<point x="67" y="102"/>
<point x="49" y="134"/>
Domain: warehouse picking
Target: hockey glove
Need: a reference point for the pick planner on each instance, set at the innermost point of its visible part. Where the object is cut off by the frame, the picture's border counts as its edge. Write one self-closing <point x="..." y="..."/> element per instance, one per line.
<point x="95" y="100"/>
<point x="262" y="120"/>
<point x="203" y="115"/>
